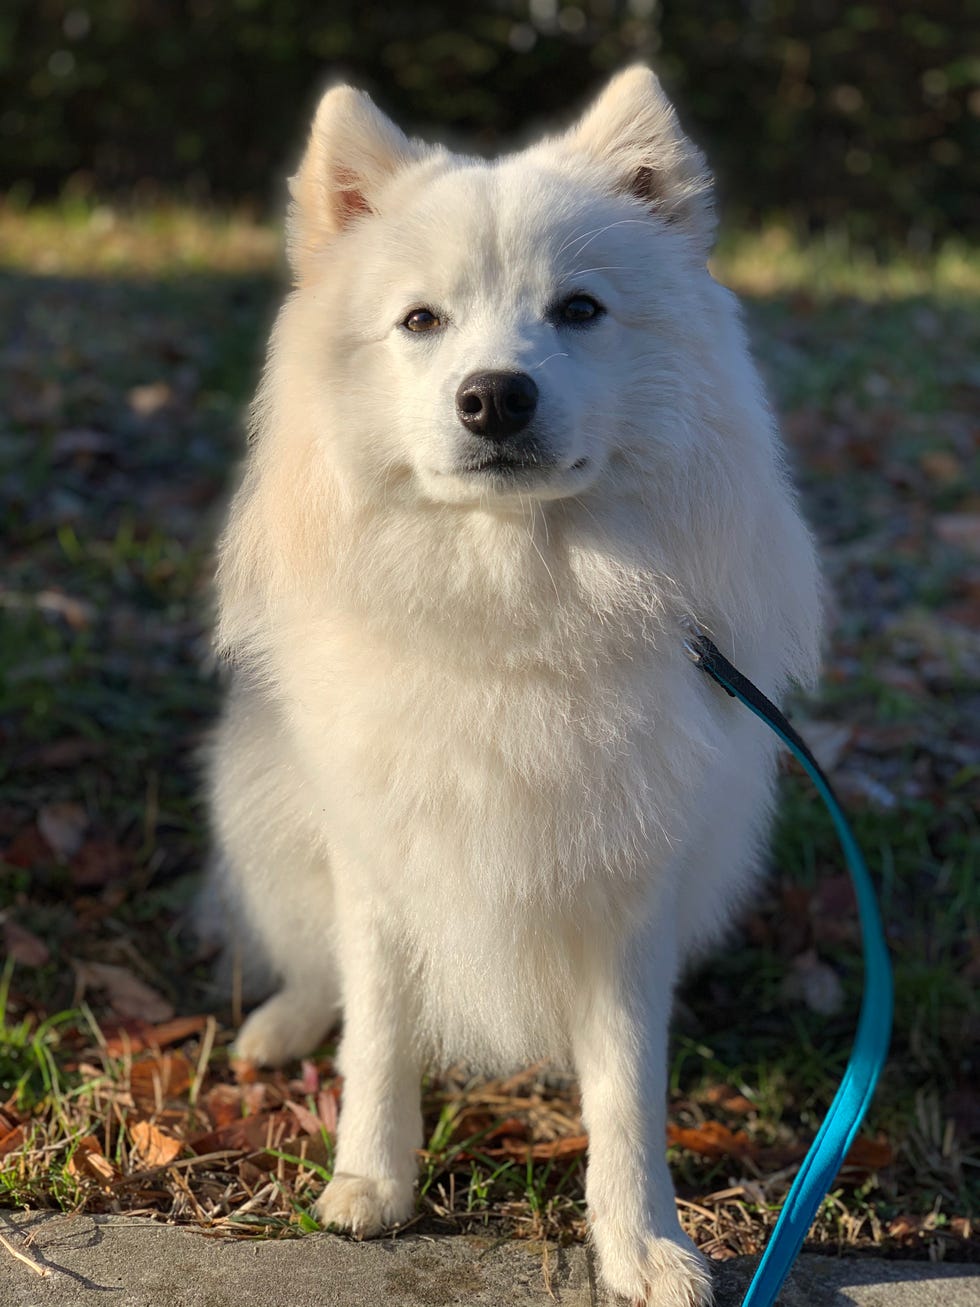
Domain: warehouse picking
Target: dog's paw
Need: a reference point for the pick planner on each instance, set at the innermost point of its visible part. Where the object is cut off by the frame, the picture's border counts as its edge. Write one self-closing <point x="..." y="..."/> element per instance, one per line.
<point x="364" y="1207"/>
<point x="657" y="1272"/>
<point x="278" y="1031"/>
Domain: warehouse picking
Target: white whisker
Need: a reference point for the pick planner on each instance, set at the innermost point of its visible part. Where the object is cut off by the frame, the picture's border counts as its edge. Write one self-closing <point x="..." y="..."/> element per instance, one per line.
<point x="558" y="354"/>
<point x="589" y="236"/>
<point x="607" y="267"/>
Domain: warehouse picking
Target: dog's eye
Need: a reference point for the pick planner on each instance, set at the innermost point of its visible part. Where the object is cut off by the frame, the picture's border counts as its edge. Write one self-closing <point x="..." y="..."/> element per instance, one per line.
<point x="422" y="320"/>
<point x="578" y="310"/>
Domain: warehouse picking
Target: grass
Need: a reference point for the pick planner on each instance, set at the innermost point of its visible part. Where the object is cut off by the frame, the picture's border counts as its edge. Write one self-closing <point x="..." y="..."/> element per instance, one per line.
<point x="133" y="343"/>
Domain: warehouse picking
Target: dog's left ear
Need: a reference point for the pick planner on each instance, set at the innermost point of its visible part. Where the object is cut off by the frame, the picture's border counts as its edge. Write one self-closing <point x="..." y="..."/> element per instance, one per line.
<point x="633" y="130"/>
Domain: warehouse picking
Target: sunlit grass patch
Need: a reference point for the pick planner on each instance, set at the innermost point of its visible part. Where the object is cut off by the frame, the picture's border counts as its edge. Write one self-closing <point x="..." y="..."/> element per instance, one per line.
<point x="88" y="239"/>
<point x="777" y="261"/>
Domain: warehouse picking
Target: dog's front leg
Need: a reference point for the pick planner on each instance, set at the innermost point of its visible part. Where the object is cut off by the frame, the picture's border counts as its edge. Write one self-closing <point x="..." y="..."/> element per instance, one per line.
<point x="380" y="1123"/>
<point x="620" y="1047"/>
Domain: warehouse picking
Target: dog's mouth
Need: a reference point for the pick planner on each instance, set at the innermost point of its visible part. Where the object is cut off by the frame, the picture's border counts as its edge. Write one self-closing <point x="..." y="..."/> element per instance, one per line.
<point x="488" y="477"/>
<point x="503" y="465"/>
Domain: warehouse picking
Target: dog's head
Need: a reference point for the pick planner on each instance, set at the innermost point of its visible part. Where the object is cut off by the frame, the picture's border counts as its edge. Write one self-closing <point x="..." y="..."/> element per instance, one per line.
<point x="482" y="332"/>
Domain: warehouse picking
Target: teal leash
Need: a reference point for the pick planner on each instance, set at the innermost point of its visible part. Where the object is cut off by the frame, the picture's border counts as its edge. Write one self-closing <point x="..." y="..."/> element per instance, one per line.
<point x="850" y="1103"/>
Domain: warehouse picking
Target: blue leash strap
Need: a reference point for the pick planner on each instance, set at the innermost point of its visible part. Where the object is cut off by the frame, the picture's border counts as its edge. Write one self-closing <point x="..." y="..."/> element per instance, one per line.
<point x="850" y="1103"/>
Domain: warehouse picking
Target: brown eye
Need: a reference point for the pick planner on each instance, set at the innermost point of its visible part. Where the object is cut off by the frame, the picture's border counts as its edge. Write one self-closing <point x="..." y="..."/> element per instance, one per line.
<point x="421" y="320"/>
<point x="579" y="310"/>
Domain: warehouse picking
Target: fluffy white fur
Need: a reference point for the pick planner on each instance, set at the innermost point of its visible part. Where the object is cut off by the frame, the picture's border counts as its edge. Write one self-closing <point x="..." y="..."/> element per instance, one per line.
<point x="468" y="788"/>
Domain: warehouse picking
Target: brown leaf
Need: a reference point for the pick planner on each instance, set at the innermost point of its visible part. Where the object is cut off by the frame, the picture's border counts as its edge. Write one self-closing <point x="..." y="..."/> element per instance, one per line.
<point x="130" y="1037"/>
<point x="870" y="1154"/>
<point x="223" y="1104"/>
<point x="729" y="1100"/>
<point x="23" y="946"/>
<point x="153" y="1146"/>
<point x="310" y="1082"/>
<point x="307" y="1120"/>
<point x="712" y="1139"/>
<point x="63" y="826"/>
<point x="511" y="1127"/>
<point x="905" y="1226"/>
<point x="28" y="849"/>
<point x="88" y="1162"/>
<point x="153" y="1080"/>
<point x="12" y="1140"/>
<point x="326" y="1106"/>
<point x="250" y="1134"/>
<point x="97" y="862"/>
<point x="568" y="1146"/>
<point x="130" y="996"/>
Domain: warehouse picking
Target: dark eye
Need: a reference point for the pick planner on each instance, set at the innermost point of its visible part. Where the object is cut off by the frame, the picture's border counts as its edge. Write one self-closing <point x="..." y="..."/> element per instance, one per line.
<point x="579" y="310"/>
<point x="422" y="320"/>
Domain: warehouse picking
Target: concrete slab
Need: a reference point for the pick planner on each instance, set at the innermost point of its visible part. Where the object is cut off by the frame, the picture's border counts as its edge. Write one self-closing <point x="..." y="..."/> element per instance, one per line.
<point x="119" y="1261"/>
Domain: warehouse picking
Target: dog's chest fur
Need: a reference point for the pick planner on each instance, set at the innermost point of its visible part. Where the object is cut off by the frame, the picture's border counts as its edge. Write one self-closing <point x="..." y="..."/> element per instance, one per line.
<point x="492" y="784"/>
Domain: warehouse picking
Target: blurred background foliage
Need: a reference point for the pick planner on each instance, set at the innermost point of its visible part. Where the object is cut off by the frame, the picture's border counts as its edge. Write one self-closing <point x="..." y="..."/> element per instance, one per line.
<point x="860" y="115"/>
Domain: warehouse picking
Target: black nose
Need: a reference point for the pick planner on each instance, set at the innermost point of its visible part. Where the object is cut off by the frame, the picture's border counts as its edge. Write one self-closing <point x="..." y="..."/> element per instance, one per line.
<point x="496" y="405"/>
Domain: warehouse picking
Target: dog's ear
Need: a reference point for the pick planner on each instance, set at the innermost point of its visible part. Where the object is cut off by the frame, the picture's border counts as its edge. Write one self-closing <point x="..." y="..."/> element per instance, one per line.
<point x="633" y="130"/>
<point x="353" y="151"/>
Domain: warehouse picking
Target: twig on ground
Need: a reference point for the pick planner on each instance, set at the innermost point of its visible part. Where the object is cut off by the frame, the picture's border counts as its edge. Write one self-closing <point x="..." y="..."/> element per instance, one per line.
<point x="21" y="1256"/>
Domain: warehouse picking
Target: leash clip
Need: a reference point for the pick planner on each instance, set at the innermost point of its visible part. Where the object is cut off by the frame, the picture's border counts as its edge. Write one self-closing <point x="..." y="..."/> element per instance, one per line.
<point x="691" y="641"/>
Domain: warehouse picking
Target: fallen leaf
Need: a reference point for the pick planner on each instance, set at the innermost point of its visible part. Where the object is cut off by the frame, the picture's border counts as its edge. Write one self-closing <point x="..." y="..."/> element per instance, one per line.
<point x="326" y="1106"/>
<point x="130" y="1037"/>
<point x="153" y="1080"/>
<point x="63" y="826"/>
<point x="250" y="1134"/>
<point x="13" y="1140"/>
<point x="310" y="1078"/>
<point x="153" y="1146"/>
<point x="23" y="946"/>
<point x="88" y="1162"/>
<point x="902" y="1227"/>
<point x="28" y="849"/>
<point x="729" y="1099"/>
<point x="712" y="1139"/>
<point x="870" y="1154"/>
<point x="97" y="862"/>
<point x="223" y="1104"/>
<point x="130" y="996"/>
<point x="308" y="1121"/>
<point x="568" y="1146"/>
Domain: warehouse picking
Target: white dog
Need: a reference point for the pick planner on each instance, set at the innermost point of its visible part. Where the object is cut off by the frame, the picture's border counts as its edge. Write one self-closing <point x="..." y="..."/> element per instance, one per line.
<point x="468" y="788"/>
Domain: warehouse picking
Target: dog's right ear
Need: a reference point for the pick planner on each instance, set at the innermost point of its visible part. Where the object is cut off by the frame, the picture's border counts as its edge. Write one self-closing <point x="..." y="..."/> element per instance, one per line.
<point x="353" y="152"/>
